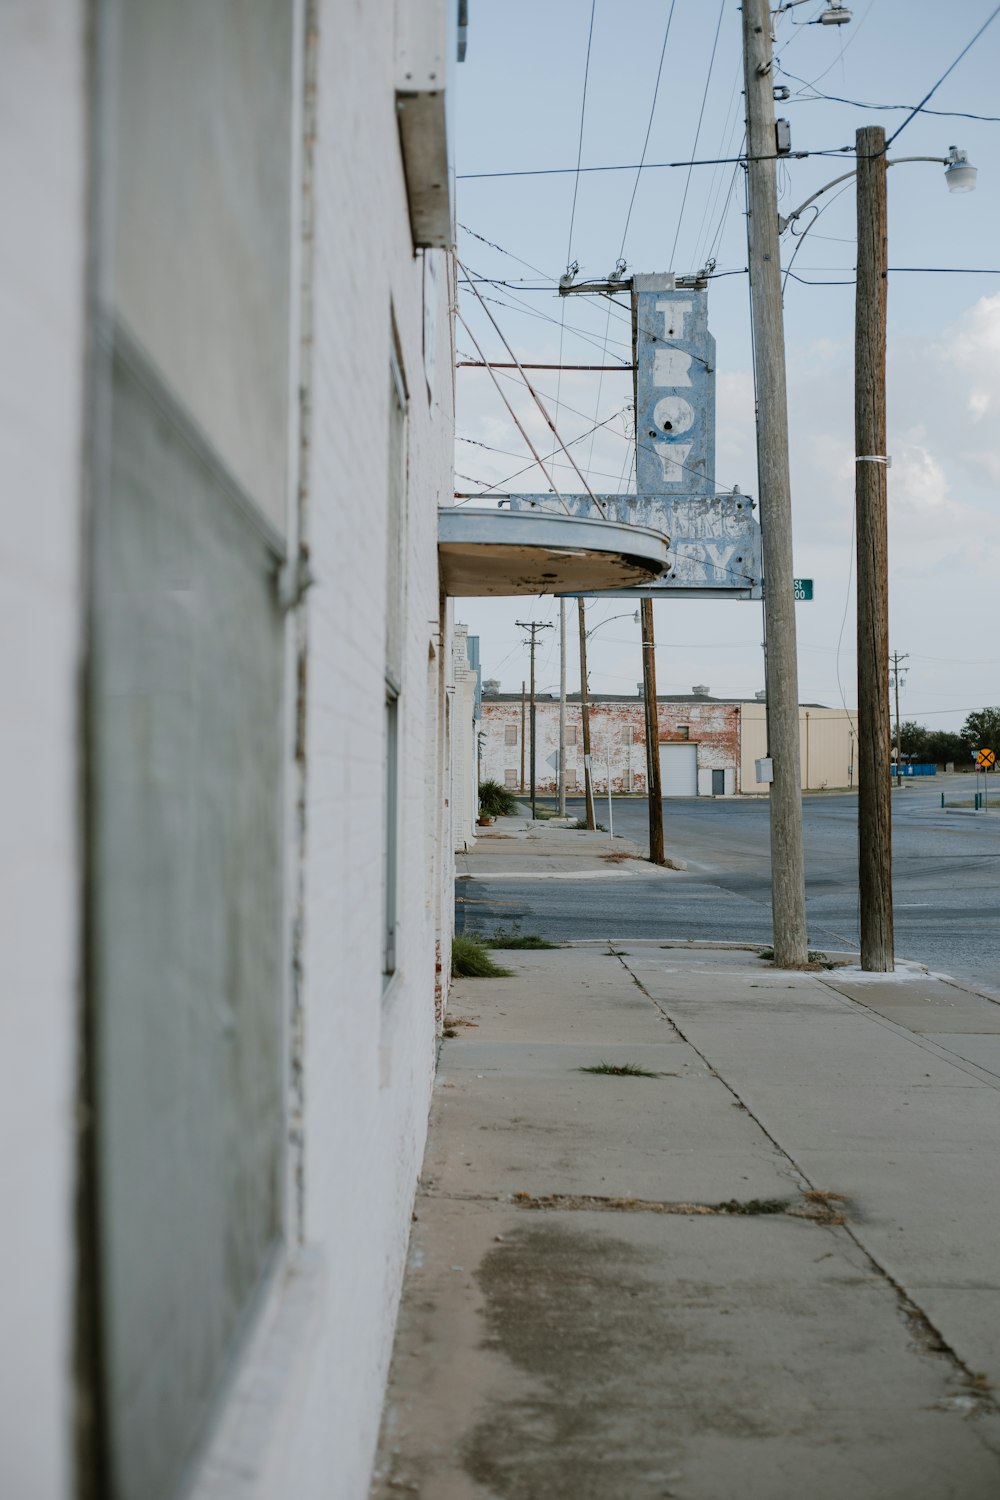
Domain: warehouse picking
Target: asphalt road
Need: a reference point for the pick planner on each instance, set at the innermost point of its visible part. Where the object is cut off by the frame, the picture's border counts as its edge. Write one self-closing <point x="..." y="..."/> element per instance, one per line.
<point x="946" y="884"/>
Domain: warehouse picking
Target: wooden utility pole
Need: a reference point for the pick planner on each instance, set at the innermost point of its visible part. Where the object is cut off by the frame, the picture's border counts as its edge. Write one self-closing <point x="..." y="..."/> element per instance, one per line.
<point x="523" y="716"/>
<point x="562" y="708"/>
<point x="897" y="672"/>
<point x="654" y="789"/>
<point x="788" y="891"/>
<point x="874" y="734"/>
<point x="533" y="627"/>
<point x="588" y="780"/>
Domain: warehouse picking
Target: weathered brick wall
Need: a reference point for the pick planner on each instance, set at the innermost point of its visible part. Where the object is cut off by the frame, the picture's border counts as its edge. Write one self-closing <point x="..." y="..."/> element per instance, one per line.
<point x="617" y="729"/>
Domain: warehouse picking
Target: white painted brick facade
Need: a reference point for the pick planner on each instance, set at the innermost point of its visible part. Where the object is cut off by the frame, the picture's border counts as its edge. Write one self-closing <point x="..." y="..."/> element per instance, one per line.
<point x="301" y="1419"/>
<point x="42" y="258"/>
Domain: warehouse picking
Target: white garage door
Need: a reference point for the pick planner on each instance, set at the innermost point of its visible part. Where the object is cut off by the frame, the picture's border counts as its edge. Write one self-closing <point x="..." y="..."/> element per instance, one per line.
<point x="679" y="770"/>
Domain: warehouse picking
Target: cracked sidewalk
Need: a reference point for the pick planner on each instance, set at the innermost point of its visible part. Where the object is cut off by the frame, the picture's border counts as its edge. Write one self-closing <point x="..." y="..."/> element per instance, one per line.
<point x="768" y="1270"/>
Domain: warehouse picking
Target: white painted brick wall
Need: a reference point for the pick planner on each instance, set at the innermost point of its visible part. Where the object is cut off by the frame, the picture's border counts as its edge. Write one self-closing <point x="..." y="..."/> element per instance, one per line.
<point x="304" y="1421"/>
<point x="42" y="164"/>
<point x="369" y="1058"/>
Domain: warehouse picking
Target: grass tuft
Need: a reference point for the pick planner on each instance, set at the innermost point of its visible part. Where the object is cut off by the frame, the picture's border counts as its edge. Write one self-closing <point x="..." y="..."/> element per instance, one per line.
<point x="620" y="1070"/>
<point x="470" y="960"/>
<point x="513" y="937"/>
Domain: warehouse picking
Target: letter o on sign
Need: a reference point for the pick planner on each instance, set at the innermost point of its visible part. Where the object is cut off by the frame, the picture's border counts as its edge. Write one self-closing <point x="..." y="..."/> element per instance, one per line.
<point x="673" y="414"/>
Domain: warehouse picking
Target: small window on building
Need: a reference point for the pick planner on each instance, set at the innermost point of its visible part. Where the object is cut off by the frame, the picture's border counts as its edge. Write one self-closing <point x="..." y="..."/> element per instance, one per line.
<point x="510" y="734"/>
<point x="571" y="782"/>
<point x="510" y="780"/>
<point x="683" y="731"/>
<point x="571" y="734"/>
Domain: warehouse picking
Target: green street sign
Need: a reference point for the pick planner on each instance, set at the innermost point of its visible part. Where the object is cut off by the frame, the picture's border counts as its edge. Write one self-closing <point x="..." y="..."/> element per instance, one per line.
<point x="803" y="588"/>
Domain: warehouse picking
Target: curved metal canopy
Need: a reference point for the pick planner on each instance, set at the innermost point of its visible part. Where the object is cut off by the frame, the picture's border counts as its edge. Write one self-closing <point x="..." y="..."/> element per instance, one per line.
<point x="502" y="552"/>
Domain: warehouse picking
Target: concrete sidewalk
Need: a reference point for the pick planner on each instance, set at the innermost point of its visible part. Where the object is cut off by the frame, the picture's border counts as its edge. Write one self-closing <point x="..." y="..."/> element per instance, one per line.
<point x="763" y="1265"/>
<point x="515" y="848"/>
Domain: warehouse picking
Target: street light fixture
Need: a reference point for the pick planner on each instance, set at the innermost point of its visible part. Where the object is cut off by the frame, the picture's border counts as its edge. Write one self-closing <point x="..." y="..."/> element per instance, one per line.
<point x="959" y="174"/>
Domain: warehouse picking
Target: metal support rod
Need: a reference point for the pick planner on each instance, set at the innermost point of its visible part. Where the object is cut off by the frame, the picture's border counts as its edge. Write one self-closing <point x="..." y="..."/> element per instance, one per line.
<point x="562" y="708"/>
<point x="588" y="778"/>
<point x="654" y="789"/>
<point x="534" y="396"/>
<point x="496" y="364"/>
<point x="513" y="415"/>
<point x="874" y="737"/>
<point x="788" y="894"/>
<point x="523" y="703"/>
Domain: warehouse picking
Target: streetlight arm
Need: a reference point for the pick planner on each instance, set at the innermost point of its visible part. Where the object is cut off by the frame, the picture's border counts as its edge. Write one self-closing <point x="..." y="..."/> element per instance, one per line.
<point x="786" y="219"/>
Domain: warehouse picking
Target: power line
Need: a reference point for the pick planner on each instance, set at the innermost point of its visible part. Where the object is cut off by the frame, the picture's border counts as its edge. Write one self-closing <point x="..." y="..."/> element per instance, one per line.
<point x="932" y="91"/>
<point x="697" y="134"/>
<point x="649" y="127"/>
<point x="528" y="467"/>
<point x="579" y="148"/>
<point x="650" y="166"/>
<point x="818" y="94"/>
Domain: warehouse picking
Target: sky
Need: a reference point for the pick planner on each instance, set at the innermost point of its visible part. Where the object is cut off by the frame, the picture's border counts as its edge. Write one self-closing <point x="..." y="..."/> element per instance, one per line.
<point x="519" y="107"/>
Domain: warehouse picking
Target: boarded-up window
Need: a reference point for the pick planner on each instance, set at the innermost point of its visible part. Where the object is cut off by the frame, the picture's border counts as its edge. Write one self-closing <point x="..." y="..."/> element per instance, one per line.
<point x="510" y="734"/>
<point x="571" y="782"/>
<point x="683" y="731"/>
<point x="571" y="734"/>
<point x="510" y="780"/>
<point x="186" y="750"/>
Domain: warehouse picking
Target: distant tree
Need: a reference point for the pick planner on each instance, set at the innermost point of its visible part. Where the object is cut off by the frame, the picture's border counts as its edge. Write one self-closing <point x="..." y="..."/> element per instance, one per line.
<point x="981" y="730"/>
<point x="942" y="746"/>
<point x="913" y="739"/>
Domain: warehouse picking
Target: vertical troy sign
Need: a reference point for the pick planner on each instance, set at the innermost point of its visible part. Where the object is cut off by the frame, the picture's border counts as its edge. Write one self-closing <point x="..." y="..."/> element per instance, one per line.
<point x="674" y="388"/>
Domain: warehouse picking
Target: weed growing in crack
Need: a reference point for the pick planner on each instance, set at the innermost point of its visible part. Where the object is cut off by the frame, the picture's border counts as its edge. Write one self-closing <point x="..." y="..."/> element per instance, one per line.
<point x="470" y="960"/>
<point x="622" y="1070"/>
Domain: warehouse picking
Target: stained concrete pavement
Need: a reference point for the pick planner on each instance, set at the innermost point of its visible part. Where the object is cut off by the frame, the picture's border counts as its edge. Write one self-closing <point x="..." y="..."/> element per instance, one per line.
<point x="767" y="1271"/>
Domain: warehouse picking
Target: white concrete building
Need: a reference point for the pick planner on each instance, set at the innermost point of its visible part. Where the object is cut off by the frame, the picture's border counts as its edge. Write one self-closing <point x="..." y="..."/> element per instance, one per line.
<point x="226" y="375"/>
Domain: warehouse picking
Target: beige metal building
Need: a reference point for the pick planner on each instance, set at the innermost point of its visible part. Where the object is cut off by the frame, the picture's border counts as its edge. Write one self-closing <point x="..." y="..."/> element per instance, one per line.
<point x="827" y="746"/>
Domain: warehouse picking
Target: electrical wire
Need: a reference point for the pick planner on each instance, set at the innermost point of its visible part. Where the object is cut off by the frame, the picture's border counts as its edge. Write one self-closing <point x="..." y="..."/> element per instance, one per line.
<point x="579" y="149"/>
<point x="818" y="95"/>
<point x="697" y="134"/>
<point x="528" y="467"/>
<point x="647" y="447"/>
<point x="650" y="166"/>
<point x="620" y="264"/>
<point x="649" y="127"/>
<point x="718" y="175"/>
<point x="530" y="312"/>
<point x="818" y="210"/>
<point x="947" y="72"/>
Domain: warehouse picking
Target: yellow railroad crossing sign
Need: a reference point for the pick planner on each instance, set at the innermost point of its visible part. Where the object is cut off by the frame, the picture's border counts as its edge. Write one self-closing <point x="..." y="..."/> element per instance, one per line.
<point x="986" y="760"/>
